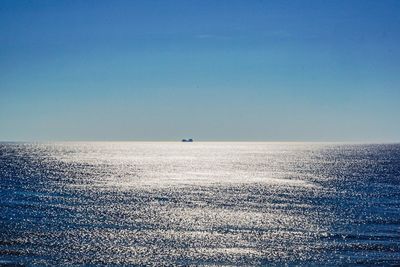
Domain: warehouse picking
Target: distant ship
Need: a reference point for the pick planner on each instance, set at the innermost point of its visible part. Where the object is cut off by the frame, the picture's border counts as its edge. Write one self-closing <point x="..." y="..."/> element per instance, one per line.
<point x="187" y="140"/>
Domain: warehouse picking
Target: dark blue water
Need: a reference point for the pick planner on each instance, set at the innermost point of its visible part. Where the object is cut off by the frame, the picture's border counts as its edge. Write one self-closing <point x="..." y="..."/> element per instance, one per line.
<point x="199" y="204"/>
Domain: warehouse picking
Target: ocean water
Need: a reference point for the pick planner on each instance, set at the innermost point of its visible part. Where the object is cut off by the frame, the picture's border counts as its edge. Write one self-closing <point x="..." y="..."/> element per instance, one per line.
<point x="199" y="203"/>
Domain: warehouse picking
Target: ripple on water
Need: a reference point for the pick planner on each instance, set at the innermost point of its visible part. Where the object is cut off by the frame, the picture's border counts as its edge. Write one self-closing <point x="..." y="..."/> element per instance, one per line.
<point x="199" y="203"/>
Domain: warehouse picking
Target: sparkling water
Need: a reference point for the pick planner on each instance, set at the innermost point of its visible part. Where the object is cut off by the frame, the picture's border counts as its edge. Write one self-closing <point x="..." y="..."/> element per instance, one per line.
<point x="201" y="203"/>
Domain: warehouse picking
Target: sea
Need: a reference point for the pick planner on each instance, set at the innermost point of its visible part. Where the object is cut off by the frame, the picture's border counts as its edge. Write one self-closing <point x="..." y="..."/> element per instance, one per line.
<point x="199" y="204"/>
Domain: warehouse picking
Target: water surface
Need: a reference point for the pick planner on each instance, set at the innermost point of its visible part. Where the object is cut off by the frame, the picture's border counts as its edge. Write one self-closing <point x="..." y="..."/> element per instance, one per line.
<point x="199" y="203"/>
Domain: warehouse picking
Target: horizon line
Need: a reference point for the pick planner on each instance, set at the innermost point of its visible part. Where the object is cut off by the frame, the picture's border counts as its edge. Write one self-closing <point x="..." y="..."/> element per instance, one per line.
<point x="206" y="141"/>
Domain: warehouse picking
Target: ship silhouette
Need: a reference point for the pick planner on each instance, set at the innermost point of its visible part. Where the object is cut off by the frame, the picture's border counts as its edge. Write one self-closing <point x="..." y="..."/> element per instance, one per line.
<point x="187" y="140"/>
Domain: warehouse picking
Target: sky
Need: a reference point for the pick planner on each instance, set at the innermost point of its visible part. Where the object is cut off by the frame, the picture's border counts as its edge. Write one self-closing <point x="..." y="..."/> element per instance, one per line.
<point x="222" y="70"/>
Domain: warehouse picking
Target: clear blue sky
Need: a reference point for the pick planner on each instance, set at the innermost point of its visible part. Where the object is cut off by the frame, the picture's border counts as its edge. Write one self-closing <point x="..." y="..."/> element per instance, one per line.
<point x="211" y="70"/>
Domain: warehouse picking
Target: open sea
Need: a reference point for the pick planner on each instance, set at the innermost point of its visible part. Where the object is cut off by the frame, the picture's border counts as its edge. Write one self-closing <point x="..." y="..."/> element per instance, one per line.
<point x="205" y="203"/>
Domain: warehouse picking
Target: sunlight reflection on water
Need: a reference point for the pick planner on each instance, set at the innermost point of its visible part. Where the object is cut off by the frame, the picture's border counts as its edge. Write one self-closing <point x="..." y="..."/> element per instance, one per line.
<point x="199" y="203"/>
